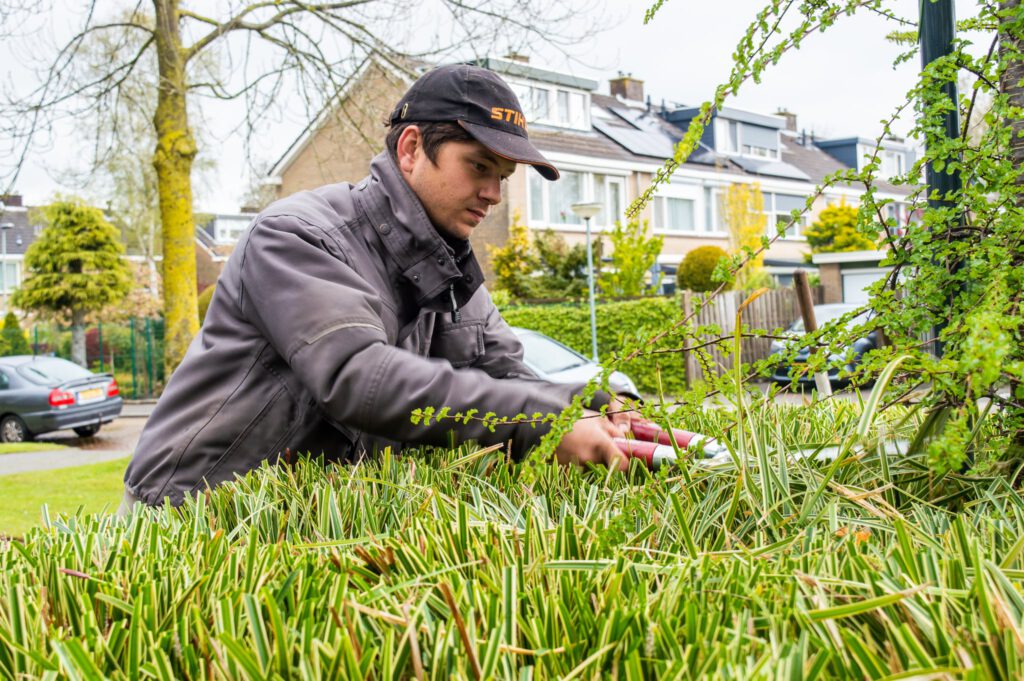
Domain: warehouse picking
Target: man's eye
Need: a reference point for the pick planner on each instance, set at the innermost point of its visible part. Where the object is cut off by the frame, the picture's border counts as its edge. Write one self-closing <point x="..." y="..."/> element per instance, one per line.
<point x="480" y="167"/>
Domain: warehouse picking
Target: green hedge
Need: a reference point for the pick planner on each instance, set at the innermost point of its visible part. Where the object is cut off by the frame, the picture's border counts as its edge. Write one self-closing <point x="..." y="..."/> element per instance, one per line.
<point x="617" y="324"/>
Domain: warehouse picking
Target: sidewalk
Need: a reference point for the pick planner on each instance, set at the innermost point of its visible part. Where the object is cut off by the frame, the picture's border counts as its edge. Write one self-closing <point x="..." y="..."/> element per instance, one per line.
<point x="61" y="458"/>
<point x="115" y="441"/>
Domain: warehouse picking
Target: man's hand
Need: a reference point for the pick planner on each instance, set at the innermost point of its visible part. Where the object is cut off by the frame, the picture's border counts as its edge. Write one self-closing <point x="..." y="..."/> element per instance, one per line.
<point x="620" y="413"/>
<point x="590" y="441"/>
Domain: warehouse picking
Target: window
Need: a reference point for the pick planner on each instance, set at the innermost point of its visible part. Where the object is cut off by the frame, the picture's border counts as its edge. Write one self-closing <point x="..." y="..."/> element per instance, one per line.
<point x="551" y="105"/>
<point x="674" y="214"/>
<point x="539" y="104"/>
<point x="728" y="136"/>
<point x="892" y="163"/>
<point x="577" y="113"/>
<point x="5" y="382"/>
<point x="746" y="139"/>
<point x="609" y="191"/>
<point x="535" y="187"/>
<point x="561" y="195"/>
<point x="563" y="107"/>
<point x="709" y="209"/>
<point x="779" y="207"/>
<point x="550" y="203"/>
<point x="9" y="276"/>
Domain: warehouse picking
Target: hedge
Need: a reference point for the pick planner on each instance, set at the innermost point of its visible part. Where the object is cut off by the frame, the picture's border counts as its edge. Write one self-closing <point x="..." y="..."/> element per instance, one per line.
<point x="617" y="324"/>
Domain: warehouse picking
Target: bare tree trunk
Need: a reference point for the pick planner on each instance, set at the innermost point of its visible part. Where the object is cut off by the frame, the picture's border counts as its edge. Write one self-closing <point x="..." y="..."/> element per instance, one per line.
<point x="175" y="151"/>
<point x="78" y="338"/>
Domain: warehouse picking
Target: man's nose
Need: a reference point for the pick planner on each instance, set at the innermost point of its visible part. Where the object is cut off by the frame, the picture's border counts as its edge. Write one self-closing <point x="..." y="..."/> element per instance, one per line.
<point x="491" y="192"/>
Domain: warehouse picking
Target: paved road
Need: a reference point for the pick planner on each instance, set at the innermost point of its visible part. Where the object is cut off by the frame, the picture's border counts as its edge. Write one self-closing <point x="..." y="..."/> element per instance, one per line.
<point x="115" y="440"/>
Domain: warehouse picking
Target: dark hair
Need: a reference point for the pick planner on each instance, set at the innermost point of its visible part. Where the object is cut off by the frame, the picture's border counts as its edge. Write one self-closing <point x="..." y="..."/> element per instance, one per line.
<point x="434" y="135"/>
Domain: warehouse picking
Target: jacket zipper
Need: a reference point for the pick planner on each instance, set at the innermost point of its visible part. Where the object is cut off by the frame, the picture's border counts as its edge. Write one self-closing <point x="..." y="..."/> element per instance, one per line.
<point x="456" y="314"/>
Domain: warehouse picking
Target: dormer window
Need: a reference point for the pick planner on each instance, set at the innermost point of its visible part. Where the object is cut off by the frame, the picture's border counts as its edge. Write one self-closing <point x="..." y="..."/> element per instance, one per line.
<point x="892" y="163"/>
<point x="554" y="105"/>
<point x="745" y="139"/>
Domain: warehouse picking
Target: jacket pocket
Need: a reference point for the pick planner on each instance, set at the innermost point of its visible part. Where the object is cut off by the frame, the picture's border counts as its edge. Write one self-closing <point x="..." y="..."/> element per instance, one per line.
<point x="461" y="343"/>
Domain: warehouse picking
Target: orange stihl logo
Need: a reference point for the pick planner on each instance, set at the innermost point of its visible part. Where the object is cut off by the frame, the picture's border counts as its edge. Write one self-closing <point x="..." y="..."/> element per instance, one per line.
<point x="511" y="115"/>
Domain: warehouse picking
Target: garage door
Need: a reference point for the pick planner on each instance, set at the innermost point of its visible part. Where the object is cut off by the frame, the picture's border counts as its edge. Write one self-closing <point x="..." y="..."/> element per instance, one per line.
<point x="855" y="283"/>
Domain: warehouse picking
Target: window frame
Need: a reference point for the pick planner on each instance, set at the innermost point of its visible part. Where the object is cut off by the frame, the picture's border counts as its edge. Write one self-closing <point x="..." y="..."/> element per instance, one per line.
<point x="775" y="215"/>
<point x="552" y="116"/>
<point x="611" y="179"/>
<point x="726" y="144"/>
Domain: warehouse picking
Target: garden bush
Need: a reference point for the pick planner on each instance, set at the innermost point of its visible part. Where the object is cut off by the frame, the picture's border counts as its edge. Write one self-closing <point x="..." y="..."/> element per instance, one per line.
<point x="696" y="268"/>
<point x="617" y="324"/>
<point x="456" y="564"/>
<point x="204" y="301"/>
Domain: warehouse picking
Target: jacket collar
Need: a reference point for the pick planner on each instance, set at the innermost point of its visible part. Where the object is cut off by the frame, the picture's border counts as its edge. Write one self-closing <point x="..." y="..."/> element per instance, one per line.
<point x="425" y="260"/>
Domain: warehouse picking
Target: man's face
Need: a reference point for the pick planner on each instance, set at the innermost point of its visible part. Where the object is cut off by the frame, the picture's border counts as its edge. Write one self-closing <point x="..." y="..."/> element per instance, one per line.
<point x="459" y="187"/>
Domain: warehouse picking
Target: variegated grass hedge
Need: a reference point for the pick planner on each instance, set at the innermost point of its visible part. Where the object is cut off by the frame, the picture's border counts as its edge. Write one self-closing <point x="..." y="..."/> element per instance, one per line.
<point x="458" y="565"/>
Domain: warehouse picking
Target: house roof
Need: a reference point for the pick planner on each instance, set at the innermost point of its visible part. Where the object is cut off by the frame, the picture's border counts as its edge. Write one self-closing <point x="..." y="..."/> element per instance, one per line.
<point x="304" y="137"/>
<point x="818" y="164"/>
<point x="634" y="132"/>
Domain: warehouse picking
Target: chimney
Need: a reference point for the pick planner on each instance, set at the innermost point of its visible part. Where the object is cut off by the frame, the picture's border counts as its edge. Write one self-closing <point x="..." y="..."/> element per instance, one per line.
<point x="790" y="119"/>
<point x="515" y="56"/>
<point x="627" y="87"/>
<point x="11" y="200"/>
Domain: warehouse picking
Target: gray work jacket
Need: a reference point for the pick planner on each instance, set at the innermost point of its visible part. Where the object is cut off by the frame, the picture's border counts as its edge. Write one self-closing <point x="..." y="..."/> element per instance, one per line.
<point x="340" y="311"/>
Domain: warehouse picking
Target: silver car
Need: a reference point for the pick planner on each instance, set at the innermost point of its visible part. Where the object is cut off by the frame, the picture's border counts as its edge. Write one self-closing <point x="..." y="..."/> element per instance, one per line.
<point x="41" y="394"/>
<point x="557" y="363"/>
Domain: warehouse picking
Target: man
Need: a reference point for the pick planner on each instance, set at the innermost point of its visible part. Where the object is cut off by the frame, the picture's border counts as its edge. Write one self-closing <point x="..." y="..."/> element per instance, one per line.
<point x="345" y="308"/>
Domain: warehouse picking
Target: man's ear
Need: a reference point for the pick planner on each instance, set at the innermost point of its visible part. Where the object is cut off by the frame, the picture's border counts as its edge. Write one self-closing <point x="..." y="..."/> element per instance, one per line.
<point x="410" y="145"/>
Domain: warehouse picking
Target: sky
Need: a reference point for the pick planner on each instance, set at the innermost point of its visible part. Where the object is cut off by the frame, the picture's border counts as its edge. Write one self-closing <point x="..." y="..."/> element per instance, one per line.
<point x="840" y="83"/>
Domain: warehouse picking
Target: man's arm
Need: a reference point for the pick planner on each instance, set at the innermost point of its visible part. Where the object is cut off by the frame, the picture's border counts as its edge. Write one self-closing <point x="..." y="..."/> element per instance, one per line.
<point x="325" y="321"/>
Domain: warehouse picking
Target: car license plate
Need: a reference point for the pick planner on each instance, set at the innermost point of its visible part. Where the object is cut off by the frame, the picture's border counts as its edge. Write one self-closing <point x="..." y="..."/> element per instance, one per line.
<point x="90" y="395"/>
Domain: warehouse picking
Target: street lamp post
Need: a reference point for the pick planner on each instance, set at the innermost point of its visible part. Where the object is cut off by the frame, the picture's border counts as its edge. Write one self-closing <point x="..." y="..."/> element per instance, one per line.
<point x="588" y="211"/>
<point x="3" y="264"/>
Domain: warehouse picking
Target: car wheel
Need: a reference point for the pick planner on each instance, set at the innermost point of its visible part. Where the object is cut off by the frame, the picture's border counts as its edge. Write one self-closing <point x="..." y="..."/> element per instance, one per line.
<point x="12" y="429"/>
<point x="86" y="431"/>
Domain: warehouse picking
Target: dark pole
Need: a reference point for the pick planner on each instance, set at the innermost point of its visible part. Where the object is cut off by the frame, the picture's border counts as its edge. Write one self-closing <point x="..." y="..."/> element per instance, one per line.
<point x="937" y="28"/>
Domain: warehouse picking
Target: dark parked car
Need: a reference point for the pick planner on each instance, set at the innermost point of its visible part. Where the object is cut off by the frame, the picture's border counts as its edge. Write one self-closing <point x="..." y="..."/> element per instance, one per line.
<point x="41" y="394"/>
<point x="823" y="314"/>
<point x="557" y="363"/>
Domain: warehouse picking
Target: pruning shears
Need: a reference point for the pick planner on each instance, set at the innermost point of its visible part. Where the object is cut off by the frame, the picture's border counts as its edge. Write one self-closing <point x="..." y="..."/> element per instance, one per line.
<point x="653" y="444"/>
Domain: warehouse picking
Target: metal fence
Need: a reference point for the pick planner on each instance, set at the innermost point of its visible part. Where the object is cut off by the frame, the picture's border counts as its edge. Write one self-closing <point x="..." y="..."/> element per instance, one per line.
<point x="132" y="352"/>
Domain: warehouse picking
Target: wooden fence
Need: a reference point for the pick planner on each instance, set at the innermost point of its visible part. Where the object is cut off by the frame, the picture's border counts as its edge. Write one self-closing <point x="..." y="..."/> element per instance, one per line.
<point x="774" y="310"/>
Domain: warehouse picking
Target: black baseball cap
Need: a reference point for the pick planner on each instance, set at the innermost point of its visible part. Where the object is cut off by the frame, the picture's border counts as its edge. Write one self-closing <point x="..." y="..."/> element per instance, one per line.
<point x="479" y="101"/>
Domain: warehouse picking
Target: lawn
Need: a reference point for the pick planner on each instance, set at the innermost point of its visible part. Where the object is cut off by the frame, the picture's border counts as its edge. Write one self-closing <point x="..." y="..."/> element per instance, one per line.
<point x="92" y="488"/>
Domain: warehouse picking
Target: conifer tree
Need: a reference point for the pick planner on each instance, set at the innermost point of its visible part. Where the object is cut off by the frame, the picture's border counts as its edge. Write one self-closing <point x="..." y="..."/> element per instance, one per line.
<point x="13" y="337"/>
<point x="76" y="267"/>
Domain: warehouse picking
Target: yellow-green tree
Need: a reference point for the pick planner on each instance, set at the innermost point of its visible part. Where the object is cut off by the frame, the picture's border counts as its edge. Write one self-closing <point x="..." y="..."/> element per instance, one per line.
<point x="12" y="338"/>
<point x="303" y="55"/>
<point x="741" y="207"/>
<point x="635" y="250"/>
<point x="514" y="262"/>
<point x="835" y="231"/>
<point x="74" y="268"/>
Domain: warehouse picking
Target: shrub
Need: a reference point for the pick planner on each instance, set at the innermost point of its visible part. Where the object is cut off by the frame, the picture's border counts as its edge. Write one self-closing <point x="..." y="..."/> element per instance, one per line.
<point x="12" y="338"/>
<point x="698" y="265"/>
<point x="514" y="262"/>
<point x="617" y="324"/>
<point x="836" y="231"/>
<point x="634" y="253"/>
<point x="204" y="301"/>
